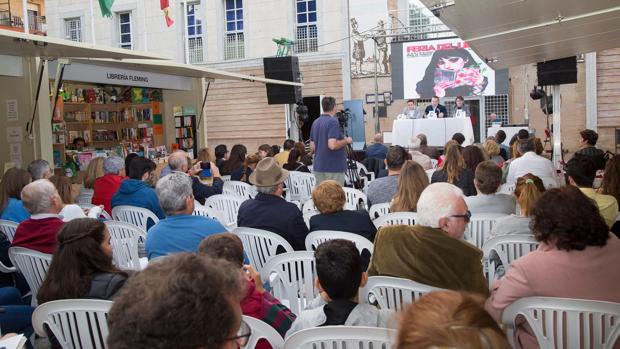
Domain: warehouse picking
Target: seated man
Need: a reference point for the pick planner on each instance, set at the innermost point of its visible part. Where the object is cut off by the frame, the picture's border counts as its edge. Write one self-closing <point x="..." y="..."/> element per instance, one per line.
<point x="178" y="162"/>
<point x="340" y="274"/>
<point x="581" y="172"/>
<point x="487" y="181"/>
<point x="530" y="162"/>
<point x="377" y="150"/>
<point x="423" y="148"/>
<point x="588" y="149"/>
<point x="257" y="303"/>
<point x="106" y="186"/>
<point x="40" y="169"/>
<point x="433" y="251"/>
<point x="39" y="231"/>
<point x="383" y="189"/>
<point x="180" y="231"/>
<point x="268" y="210"/>
<point x="419" y="157"/>
<point x="185" y="297"/>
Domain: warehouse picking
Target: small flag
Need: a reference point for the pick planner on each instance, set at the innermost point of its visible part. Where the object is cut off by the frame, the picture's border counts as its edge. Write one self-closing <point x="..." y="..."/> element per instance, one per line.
<point x="106" y="7"/>
<point x="165" y="6"/>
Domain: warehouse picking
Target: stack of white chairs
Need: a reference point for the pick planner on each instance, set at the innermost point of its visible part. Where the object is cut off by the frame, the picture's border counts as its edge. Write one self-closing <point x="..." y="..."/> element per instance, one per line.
<point x="393" y="293"/>
<point x="315" y="238"/>
<point x="126" y="240"/>
<point x="479" y="227"/>
<point x="396" y="218"/>
<point x="342" y="337"/>
<point x="33" y="265"/>
<point x="378" y="210"/>
<point x="356" y="199"/>
<point x="240" y="189"/>
<point x="227" y="205"/>
<point x="137" y="216"/>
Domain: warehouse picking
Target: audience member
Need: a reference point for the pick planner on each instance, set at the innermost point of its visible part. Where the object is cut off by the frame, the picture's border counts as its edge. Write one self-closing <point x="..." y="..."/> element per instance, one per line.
<point x="282" y="157"/>
<point x="487" y="181"/>
<point x="500" y="137"/>
<point x="581" y="172"/>
<point x="250" y="165"/>
<point x="459" y="138"/>
<point x="38" y="232"/>
<point x="94" y="170"/>
<point x="82" y="264"/>
<point x="11" y="185"/>
<point x="257" y="303"/>
<point x="275" y="149"/>
<point x="540" y="149"/>
<point x="128" y="160"/>
<point x="180" y="231"/>
<point x="529" y="162"/>
<point x="411" y="182"/>
<point x="473" y="155"/>
<point x="414" y="154"/>
<point x="264" y="150"/>
<point x="40" y="169"/>
<point x="329" y="198"/>
<point x="107" y="186"/>
<point x="449" y="319"/>
<point x="611" y="178"/>
<point x="137" y="191"/>
<point x="178" y="162"/>
<point x="327" y="143"/>
<point x="588" y="149"/>
<point x="294" y="162"/>
<point x="79" y="143"/>
<point x="16" y="314"/>
<point x="453" y="171"/>
<point x="493" y="151"/>
<point x="185" y="301"/>
<point x="423" y="148"/>
<point x="574" y="240"/>
<point x="204" y="155"/>
<point x="234" y="165"/>
<point x="305" y="157"/>
<point x="221" y="155"/>
<point x="340" y="274"/>
<point x="268" y="210"/>
<point x="377" y="149"/>
<point x="383" y="189"/>
<point x="433" y="251"/>
<point x="70" y="210"/>
<point x="523" y="134"/>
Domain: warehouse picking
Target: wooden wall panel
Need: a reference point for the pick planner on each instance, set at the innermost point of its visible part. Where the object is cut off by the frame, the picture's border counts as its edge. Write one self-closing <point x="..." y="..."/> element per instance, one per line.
<point x="608" y="94"/>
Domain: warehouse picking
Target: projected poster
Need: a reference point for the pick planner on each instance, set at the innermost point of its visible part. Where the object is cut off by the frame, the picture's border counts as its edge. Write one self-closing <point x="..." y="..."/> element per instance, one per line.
<point x="444" y="68"/>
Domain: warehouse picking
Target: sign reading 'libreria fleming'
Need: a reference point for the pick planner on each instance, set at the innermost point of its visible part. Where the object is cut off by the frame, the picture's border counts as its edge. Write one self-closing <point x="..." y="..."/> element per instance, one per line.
<point x="125" y="77"/>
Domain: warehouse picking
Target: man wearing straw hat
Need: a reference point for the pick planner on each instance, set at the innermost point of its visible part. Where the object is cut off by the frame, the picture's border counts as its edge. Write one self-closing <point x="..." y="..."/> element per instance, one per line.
<point x="268" y="210"/>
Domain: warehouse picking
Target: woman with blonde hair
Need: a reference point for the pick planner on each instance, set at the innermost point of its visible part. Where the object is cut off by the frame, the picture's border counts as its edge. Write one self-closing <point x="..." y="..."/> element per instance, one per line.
<point x="94" y="170"/>
<point x="70" y="210"/>
<point x="204" y="155"/>
<point x="411" y="182"/>
<point x="493" y="150"/>
<point x="449" y="319"/>
<point x="453" y="170"/>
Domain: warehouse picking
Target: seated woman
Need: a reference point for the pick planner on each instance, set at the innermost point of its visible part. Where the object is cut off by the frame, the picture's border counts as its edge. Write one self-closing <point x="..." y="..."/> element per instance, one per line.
<point x="611" y="185"/>
<point x="574" y="258"/>
<point x="234" y="166"/>
<point x="82" y="264"/>
<point x="94" y="170"/>
<point x="294" y="162"/>
<point x="473" y="155"/>
<point x="411" y="182"/>
<point x="249" y="166"/>
<point x="305" y="157"/>
<point x="70" y="210"/>
<point x="493" y="149"/>
<point x="453" y="170"/>
<point x="11" y="185"/>
<point x="16" y="313"/>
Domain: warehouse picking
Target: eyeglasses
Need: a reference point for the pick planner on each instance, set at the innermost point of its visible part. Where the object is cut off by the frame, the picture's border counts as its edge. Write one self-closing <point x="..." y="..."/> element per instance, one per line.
<point x="243" y="334"/>
<point x="466" y="216"/>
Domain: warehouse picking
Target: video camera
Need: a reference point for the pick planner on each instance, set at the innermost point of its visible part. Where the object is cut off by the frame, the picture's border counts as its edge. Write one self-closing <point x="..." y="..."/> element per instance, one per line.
<point x="343" y="117"/>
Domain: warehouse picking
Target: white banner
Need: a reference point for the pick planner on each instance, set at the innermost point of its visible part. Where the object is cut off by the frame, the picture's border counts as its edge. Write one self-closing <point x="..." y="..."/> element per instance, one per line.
<point x="444" y="68"/>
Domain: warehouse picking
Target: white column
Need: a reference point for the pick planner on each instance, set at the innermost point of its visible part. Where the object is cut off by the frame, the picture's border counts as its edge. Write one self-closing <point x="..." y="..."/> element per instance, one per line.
<point x="92" y="21"/>
<point x="144" y="31"/>
<point x="25" y="15"/>
<point x="185" y="41"/>
<point x="591" y="92"/>
<point x="557" y="127"/>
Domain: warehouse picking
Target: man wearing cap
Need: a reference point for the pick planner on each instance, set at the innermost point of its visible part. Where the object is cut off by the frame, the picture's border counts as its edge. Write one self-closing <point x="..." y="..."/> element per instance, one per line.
<point x="268" y="210"/>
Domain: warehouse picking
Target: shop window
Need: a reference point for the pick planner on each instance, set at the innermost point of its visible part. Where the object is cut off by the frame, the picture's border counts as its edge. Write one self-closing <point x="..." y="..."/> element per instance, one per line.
<point x="124" y="30"/>
<point x="306" y="38"/>
<point x="194" y="33"/>
<point x="73" y="29"/>
<point x="234" y="47"/>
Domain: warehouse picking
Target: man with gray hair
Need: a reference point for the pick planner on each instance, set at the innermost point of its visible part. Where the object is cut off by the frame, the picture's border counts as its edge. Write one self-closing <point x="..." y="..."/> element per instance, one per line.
<point x="39" y="231"/>
<point x="40" y="169"/>
<point x="178" y="161"/>
<point x="268" y="210"/>
<point x="530" y="162"/>
<point x="433" y="251"/>
<point x="180" y="231"/>
<point x="105" y="187"/>
<point x="377" y="150"/>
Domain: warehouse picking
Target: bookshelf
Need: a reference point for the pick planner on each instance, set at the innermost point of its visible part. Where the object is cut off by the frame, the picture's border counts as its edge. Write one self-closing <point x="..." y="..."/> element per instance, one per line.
<point x="185" y="129"/>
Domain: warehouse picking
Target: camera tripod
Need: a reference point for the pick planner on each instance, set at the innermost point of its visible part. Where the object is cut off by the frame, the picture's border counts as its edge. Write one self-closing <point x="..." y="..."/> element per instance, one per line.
<point x="352" y="172"/>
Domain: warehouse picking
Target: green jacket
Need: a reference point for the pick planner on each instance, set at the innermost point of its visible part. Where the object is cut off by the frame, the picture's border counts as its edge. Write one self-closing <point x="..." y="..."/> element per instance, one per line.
<point x="428" y="256"/>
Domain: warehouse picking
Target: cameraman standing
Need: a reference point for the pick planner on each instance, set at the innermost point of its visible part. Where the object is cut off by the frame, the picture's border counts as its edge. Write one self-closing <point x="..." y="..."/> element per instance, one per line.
<point x="327" y="143"/>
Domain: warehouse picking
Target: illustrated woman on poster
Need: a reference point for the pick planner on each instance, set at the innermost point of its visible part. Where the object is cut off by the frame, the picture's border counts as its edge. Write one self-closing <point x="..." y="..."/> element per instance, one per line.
<point x="452" y="73"/>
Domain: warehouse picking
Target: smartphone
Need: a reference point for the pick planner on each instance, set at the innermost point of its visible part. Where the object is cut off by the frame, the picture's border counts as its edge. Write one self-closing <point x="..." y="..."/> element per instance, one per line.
<point x="205" y="165"/>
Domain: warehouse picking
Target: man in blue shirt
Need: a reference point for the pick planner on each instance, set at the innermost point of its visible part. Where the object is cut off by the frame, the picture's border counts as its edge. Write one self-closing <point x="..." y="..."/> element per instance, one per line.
<point x="327" y="143"/>
<point x="377" y="150"/>
<point x="180" y="231"/>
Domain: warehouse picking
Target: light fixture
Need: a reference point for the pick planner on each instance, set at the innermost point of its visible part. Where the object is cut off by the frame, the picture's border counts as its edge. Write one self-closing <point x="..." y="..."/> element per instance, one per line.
<point x="491" y="60"/>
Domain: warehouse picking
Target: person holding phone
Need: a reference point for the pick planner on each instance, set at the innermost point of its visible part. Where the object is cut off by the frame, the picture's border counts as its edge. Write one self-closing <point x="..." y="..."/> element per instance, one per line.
<point x="435" y="110"/>
<point x="178" y="161"/>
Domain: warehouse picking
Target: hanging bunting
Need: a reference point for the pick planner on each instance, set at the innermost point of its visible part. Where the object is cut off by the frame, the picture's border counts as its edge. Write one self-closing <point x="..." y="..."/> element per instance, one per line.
<point x="165" y="6"/>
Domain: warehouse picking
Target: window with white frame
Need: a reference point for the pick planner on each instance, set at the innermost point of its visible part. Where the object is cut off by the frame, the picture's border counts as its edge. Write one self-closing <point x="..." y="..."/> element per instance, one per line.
<point x="195" y="45"/>
<point x="124" y="30"/>
<point x="234" y="46"/>
<point x="306" y="32"/>
<point x="73" y="29"/>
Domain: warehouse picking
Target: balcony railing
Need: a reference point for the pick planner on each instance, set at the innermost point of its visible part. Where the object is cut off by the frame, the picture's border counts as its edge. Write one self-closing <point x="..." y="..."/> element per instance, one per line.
<point x="36" y="24"/>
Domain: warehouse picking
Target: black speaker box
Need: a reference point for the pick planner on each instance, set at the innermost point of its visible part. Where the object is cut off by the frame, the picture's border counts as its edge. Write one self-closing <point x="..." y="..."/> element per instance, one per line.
<point x="557" y="72"/>
<point x="286" y="69"/>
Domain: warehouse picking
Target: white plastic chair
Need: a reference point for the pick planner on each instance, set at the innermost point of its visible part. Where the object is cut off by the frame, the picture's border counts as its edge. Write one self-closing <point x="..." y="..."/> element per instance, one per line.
<point x="566" y="323"/>
<point x="260" y="245"/>
<point x="8" y="228"/>
<point x="85" y="196"/>
<point x="356" y="199"/>
<point x="308" y="206"/>
<point x="261" y="330"/>
<point x="226" y="178"/>
<point x="103" y="213"/>
<point x="479" y="226"/>
<point x="135" y="215"/>
<point x="363" y="171"/>
<point x="33" y="265"/>
<point x="295" y="274"/>
<point x="309" y="214"/>
<point x="210" y="212"/>
<point x="378" y="210"/>
<point x="227" y="205"/>
<point x="435" y="162"/>
<point x="126" y="239"/>
<point x="240" y="189"/>
<point x="508" y="248"/>
<point x="76" y="323"/>
<point x="429" y="173"/>
<point x="315" y="238"/>
<point x="396" y="218"/>
<point x="342" y="337"/>
<point x="394" y="293"/>
<point x="300" y="186"/>
<point x="507" y="188"/>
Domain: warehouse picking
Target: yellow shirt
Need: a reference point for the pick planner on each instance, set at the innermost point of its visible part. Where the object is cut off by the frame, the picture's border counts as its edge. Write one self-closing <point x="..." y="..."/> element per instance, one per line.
<point x="607" y="205"/>
<point x="282" y="157"/>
